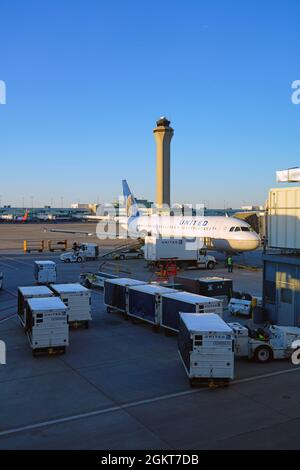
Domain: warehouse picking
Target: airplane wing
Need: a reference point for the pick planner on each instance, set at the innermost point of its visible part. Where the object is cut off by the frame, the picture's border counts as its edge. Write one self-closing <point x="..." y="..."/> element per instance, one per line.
<point x="73" y="232"/>
<point x="81" y="232"/>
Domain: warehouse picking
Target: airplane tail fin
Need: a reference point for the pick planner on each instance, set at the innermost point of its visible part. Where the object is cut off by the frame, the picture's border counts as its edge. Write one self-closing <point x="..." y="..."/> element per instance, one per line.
<point x="130" y="202"/>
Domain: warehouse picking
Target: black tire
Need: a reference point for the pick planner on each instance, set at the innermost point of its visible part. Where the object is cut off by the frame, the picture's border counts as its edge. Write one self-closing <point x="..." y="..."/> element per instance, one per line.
<point x="193" y="383"/>
<point x="140" y="256"/>
<point x="79" y="259"/>
<point x="263" y="354"/>
<point x="210" y="265"/>
<point x="236" y="295"/>
<point x="183" y="265"/>
<point x="67" y="260"/>
<point x="121" y="257"/>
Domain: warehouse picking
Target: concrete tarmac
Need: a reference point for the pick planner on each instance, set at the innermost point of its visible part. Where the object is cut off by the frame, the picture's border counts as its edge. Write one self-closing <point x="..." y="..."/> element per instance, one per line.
<point x="122" y="386"/>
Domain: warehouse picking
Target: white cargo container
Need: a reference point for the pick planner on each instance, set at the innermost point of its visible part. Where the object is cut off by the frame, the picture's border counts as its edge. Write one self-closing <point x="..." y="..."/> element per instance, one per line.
<point x="47" y="325"/>
<point x="45" y="272"/>
<point x="144" y="302"/>
<point x="206" y="348"/>
<point x="183" y="250"/>
<point x="176" y="302"/>
<point x="78" y="300"/>
<point x="284" y="218"/>
<point x="30" y="292"/>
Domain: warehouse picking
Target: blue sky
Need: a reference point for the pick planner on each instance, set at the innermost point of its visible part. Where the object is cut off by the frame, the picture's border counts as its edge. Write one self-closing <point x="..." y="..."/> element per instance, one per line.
<point x="86" y="81"/>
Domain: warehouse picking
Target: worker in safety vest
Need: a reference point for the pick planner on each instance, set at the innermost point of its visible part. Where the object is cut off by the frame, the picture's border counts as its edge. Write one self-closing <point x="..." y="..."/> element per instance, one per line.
<point x="230" y="264"/>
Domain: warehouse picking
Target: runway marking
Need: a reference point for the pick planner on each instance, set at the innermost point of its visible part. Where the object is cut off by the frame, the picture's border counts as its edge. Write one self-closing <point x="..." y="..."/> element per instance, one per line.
<point x="112" y="409"/>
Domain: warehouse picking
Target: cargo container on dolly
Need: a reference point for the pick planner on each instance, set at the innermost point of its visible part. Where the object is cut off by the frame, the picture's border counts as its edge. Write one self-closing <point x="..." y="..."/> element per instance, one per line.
<point x="116" y="293"/>
<point x="206" y="348"/>
<point x="45" y="272"/>
<point x="47" y="325"/>
<point x="77" y="299"/>
<point x="144" y="302"/>
<point x="174" y="303"/>
<point x="30" y="292"/>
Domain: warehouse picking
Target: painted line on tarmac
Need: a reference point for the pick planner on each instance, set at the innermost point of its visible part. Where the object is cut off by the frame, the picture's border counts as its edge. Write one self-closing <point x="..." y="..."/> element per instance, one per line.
<point x="116" y="408"/>
<point x="14" y="260"/>
<point x="8" y="318"/>
<point x="14" y="294"/>
<point x="7" y="308"/>
<point x="9" y="266"/>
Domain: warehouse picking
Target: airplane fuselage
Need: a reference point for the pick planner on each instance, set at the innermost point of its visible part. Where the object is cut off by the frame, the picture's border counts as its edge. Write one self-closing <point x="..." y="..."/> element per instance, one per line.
<point x="226" y="234"/>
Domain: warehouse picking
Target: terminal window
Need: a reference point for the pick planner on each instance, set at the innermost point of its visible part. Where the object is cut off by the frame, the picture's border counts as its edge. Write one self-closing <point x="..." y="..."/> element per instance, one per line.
<point x="286" y="295"/>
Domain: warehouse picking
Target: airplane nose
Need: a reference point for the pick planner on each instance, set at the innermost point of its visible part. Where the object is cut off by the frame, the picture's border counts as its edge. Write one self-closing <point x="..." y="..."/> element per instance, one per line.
<point x="253" y="244"/>
<point x="245" y="245"/>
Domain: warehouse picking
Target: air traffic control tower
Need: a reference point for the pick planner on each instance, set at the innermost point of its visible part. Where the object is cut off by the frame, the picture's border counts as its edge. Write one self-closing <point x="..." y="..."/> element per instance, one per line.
<point x="163" y="134"/>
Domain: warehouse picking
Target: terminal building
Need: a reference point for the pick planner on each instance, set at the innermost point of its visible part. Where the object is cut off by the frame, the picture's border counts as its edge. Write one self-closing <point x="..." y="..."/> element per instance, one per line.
<point x="281" y="260"/>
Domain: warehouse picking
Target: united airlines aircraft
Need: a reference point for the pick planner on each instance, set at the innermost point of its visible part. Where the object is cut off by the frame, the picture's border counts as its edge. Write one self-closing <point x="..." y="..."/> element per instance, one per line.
<point x="226" y="234"/>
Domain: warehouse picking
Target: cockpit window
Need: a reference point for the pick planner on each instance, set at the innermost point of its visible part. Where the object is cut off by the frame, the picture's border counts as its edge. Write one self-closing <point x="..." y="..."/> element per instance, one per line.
<point x="245" y="229"/>
<point x="232" y="229"/>
<point x="237" y="229"/>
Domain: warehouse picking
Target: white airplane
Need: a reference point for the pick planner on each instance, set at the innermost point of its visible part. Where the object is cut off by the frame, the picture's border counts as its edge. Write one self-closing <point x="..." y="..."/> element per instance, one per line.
<point x="226" y="234"/>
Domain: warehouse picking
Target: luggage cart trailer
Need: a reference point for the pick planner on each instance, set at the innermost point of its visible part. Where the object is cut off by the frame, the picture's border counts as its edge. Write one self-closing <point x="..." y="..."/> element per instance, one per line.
<point x="78" y="300"/>
<point x="206" y="348"/>
<point x="116" y="292"/>
<point x="144" y="302"/>
<point x="30" y="292"/>
<point x="47" y="325"/>
<point x="177" y="302"/>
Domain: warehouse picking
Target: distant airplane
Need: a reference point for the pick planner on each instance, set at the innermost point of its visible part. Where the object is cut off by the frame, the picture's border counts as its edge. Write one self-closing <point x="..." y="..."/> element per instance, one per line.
<point x="24" y="218"/>
<point x="226" y="234"/>
<point x="12" y="218"/>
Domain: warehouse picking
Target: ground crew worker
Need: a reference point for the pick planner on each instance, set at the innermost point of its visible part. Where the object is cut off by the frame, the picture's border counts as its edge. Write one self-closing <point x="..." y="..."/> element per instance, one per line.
<point x="230" y="264"/>
<point x="75" y="247"/>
